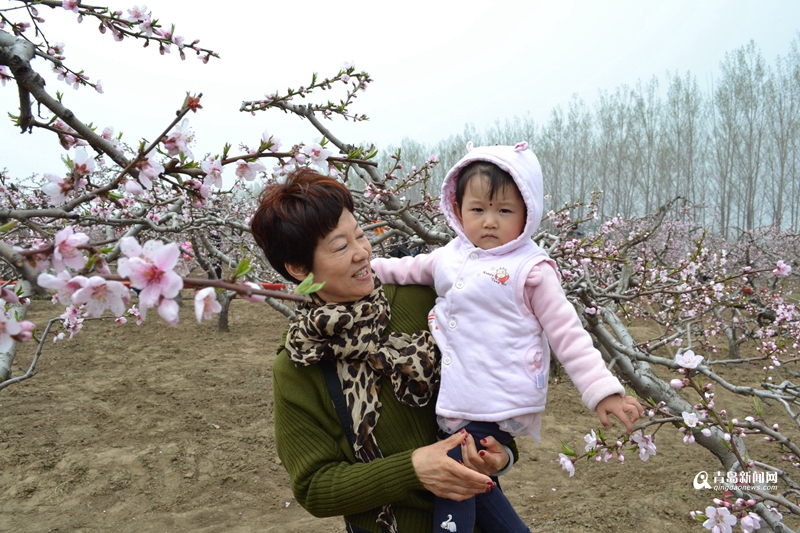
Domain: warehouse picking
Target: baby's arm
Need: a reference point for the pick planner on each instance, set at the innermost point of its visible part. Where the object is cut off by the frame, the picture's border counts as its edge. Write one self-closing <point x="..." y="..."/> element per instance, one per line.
<point x="416" y="270"/>
<point x="600" y="390"/>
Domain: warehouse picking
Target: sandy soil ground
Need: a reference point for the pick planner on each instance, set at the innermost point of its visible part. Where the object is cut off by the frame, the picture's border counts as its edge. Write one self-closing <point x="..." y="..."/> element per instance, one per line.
<point x="154" y="429"/>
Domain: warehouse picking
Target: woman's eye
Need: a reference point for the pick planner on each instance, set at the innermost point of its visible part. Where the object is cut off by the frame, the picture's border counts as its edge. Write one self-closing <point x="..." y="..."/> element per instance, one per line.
<point x="362" y="236"/>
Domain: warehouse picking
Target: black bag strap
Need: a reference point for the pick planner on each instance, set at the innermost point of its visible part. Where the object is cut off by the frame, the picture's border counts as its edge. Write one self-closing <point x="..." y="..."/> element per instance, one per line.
<point x="339" y="403"/>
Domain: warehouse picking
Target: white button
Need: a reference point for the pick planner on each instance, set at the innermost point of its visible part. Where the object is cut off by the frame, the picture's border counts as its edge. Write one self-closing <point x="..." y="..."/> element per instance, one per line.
<point x="447" y="360"/>
<point x="473" y="255"/>
<point x="460" y="285"/>
<point x="452" y="323"/>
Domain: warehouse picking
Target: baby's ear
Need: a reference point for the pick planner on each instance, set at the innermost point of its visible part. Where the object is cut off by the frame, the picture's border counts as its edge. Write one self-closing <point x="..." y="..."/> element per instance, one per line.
<point x="457" y="211"/>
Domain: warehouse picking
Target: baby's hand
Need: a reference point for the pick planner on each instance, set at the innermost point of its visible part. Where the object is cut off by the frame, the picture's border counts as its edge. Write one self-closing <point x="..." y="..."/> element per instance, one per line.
<point x="627" y="409"/>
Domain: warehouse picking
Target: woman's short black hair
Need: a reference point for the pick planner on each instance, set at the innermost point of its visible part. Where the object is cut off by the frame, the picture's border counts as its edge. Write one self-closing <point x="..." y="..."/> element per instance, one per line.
<point x="294" y="215"/>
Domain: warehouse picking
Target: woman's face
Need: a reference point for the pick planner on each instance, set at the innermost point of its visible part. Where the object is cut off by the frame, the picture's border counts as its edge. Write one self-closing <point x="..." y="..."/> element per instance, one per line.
<point x="341" y="260"/>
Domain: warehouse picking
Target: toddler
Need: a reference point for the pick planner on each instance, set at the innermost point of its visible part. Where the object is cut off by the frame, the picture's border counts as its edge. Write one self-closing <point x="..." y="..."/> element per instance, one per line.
<point x="499" y="304"/>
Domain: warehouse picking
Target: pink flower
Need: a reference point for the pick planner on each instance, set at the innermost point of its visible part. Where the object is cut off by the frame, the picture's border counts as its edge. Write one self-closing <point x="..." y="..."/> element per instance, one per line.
<point x="150" y="269"/>
<point x="66" y="252"/>
<point x="149" y="169"/>
<point x="201" y="194"/>
<point x="213" y="169"/>
<point x="248" y="171"/>
<point x="566" y="464"/>
<point x="4" y="75"/>
<point x="688" y="359"/>
<point x="57" y="189"/>
<point x="179" y="139"/>
<point x="108" y="135"/>
<point x="255" y="298"/>
<point x="206" y="304"/>
<point x="719" y="520"/>
<point x="591" y="441"/>
<point x="273" y="142"/>
<point x="64" y="283"/>
<point x="782" y="269"/>
<point x="319" y="156"/>
<point x="137" y="13"/>
<point x="690" y="419"/>
<point x="70" y="5"/>
<point x="8" y="329"/>
<point x="99" y="294"/>
<point x="133" y="187"/>
<point x="168" y="310"/>
<point x="26" y="331"/>
<point x="73" y="80"/>
<point x="7" y="296"/>
<point x="750" y="522"/>
<point x="677" y="384"/>
<point x="647" y="446"/>
<point x="82" y="164"/>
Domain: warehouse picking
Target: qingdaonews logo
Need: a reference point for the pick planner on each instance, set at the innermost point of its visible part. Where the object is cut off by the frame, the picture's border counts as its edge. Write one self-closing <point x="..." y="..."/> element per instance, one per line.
<point x="701" y="480"/>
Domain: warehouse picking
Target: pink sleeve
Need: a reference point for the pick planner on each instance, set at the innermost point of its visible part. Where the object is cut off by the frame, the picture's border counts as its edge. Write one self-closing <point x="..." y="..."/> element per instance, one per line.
<point x="416" y="270"/>
<point x="572" y="344"/>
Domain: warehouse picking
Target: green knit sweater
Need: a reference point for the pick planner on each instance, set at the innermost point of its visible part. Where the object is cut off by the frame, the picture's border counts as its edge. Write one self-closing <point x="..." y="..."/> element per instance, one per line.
<point x="326" y="479"/>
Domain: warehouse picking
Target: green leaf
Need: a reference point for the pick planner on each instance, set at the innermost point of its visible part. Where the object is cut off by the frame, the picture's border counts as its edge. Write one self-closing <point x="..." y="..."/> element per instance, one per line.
<point x="307" y="286"/>
<point x="567" y="450"/>
<point x="90" y="263"/>
<point x="243" y="268"/>
<point x="759" y="408"/>
<point x="5" y="228"/>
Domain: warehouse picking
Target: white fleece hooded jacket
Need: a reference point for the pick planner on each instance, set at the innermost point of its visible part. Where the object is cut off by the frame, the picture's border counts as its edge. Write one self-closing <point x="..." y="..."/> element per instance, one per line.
<point x="497" y="309"/>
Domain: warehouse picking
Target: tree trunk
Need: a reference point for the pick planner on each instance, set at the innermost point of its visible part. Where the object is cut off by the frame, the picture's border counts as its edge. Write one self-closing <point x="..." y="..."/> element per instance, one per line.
<point x="225" y="299"/>
<point x="17" y="312"/>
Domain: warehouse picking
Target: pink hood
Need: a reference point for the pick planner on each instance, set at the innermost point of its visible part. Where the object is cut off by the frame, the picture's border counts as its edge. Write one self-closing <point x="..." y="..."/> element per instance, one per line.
<point x="522" y="165"/>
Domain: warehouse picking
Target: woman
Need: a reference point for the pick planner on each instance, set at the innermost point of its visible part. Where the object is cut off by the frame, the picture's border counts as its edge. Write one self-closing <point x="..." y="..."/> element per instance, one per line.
<point x="384" y="481"/>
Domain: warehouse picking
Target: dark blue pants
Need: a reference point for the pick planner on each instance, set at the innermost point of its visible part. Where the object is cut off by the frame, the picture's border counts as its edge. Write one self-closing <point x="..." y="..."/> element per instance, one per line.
<point x="492" y="511"/>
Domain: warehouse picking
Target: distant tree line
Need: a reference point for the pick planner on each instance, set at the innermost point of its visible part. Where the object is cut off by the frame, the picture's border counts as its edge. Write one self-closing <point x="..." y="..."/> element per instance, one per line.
<point x="734" y="147"/>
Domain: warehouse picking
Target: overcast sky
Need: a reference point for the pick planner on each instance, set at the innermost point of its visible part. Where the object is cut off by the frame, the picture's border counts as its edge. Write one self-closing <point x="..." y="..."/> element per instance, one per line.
<point x="437" y="65"/>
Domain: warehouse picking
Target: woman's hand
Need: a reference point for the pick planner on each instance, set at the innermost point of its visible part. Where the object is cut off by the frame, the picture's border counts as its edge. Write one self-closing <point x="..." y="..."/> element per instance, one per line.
<point x="447" y="478"/>
<point x="493" y="458"/>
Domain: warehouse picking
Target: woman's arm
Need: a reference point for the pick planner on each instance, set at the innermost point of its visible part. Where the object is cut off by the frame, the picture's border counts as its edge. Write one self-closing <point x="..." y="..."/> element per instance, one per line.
<point x="325" y="479"/>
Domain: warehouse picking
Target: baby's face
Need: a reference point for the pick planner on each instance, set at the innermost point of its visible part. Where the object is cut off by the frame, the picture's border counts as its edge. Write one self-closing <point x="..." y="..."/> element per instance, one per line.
<point x="491" y="223"/>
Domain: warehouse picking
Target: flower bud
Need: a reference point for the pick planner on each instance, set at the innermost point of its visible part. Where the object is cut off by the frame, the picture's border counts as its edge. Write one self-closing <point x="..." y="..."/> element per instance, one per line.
<point x="677" y="384"/>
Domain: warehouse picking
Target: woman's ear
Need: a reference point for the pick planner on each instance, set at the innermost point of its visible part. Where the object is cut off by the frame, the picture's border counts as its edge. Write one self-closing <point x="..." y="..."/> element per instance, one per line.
<point x="298" y="272"/>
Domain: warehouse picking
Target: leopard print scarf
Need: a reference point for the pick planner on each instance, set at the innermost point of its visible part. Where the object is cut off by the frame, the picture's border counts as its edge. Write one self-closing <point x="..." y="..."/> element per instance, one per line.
<point x="353" y="334"/>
